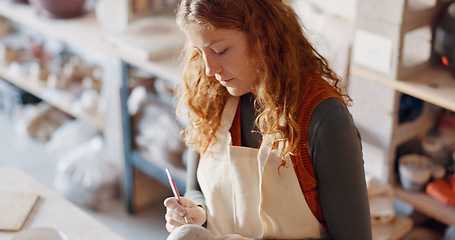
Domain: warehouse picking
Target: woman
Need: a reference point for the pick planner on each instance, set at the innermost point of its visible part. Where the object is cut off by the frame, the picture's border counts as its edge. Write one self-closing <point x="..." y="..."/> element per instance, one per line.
<point x="280" y="156"/>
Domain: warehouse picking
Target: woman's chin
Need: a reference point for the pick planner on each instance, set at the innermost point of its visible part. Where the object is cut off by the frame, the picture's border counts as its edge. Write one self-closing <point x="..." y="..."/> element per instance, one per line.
<point x="236" y="92"/>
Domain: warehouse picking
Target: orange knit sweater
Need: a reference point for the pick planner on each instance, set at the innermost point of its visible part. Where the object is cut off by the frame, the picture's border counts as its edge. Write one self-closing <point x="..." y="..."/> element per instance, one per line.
<point x="317" y="91"/>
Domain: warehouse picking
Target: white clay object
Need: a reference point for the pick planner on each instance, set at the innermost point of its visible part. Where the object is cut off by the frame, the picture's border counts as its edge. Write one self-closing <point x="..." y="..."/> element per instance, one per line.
<point x="89" y="100"/>
<point x="190" y="232"/>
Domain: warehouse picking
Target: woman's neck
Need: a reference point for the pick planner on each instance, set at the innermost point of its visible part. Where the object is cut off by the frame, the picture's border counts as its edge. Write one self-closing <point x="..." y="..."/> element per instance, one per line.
<point x="248" y="114"/>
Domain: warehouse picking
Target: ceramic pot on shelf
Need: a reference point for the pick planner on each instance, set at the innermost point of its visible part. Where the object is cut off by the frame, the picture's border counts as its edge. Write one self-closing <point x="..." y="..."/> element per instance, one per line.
<point x="59" y="9"/>
<point x="19" y="1"/>
<point x="415" y="171"/>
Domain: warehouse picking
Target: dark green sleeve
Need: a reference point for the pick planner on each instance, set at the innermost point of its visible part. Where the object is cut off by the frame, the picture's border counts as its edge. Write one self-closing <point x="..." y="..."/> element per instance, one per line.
<point x="336" y="152"/>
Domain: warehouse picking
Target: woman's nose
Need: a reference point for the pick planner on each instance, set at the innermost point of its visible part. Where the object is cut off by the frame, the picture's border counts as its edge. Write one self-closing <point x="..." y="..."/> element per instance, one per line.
<point x="212" y="66"/>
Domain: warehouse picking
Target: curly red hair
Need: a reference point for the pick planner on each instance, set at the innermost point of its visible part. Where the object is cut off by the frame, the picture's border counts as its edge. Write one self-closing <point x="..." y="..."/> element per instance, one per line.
<point x="284" y="58"/>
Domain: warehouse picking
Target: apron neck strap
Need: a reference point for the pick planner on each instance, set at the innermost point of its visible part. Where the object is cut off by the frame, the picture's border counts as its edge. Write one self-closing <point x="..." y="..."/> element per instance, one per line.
<point x="229" y="112"/>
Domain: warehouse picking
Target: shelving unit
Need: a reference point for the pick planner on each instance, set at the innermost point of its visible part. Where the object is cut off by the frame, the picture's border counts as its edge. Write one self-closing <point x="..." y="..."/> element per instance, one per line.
<point x="135" y="159"/>
<point x="63" y="30"/>
<point x="42" y="93"/>
<point x="82" y="32"/>
<point x="85" y="34"/>
<point x="433" y="86"/>
<point x="377" y="90"/>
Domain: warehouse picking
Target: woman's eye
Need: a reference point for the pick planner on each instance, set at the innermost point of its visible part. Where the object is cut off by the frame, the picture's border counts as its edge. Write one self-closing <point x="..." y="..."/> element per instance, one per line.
<point x="220" y="52"/>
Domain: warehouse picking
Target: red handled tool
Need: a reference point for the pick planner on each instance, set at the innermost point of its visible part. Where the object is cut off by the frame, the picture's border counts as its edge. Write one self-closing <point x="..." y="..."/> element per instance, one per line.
<point x="175" y="191"/>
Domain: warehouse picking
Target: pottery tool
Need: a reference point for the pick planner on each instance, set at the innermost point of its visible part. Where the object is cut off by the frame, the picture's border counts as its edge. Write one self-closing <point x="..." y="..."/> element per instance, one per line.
<point x="175" y="191"/>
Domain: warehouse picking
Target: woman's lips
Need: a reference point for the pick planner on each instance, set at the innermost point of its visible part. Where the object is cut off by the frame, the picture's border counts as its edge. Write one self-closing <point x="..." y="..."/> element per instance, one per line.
<point x="225" y="82"/>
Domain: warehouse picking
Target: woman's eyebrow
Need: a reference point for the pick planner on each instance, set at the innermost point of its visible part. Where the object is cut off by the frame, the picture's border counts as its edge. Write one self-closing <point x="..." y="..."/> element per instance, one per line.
<point x="213" y="42"/>
<point x="209" y="44"/>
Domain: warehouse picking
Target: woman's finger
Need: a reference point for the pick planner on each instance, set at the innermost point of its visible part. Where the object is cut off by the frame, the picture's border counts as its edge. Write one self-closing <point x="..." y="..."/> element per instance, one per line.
<point x="197" y="215"/>
<point x="170" y="227"/>
<point x="187" y="203"/>
<point x="175" y="219"/>
<point x="171" y="202"/>
<point x="177" y="214"/>
<point x="172" y="205"/>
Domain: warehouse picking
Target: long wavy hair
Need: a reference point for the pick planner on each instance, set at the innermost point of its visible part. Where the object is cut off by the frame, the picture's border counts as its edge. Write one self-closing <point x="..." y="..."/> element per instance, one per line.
<point x="284" y="59"/>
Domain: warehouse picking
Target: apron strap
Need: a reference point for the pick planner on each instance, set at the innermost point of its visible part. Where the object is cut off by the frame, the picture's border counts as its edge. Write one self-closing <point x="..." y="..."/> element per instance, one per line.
<point x="229" y="112"/>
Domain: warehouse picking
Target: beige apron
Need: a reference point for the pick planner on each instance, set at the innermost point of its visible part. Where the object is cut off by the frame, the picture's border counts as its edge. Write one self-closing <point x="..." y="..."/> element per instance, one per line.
<point x="245" y="194"/>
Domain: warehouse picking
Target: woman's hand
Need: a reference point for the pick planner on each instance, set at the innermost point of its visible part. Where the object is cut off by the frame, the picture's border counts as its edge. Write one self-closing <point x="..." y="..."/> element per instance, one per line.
<point x="175" y="213"/>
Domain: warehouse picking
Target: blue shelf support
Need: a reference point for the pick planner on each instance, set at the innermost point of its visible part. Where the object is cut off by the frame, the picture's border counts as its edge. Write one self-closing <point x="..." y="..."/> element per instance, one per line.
<point x="134" y="159"/>
<point x="127" y="139"/>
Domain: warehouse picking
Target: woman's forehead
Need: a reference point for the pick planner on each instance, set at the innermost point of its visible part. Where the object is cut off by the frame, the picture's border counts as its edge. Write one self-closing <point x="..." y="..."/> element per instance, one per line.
<point x="205" y="36"/>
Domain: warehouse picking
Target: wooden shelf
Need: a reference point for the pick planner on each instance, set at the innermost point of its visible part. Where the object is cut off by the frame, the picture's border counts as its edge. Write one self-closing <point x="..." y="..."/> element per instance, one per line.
<point x="82" y="32"/>
<point x="166" y="68"/>
<point x="40" y="92"/>
<point x="432" y="85"/>
<point x="428" y="205"/>
<point x="85" y="33"/>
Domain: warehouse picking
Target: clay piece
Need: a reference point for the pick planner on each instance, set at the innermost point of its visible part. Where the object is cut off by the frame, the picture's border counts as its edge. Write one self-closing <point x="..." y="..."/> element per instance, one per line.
<point x="190" y="232"/>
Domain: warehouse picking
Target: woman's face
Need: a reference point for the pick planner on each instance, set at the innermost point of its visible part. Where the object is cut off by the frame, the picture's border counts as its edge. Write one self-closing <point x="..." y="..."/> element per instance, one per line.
<point x="226" y="55"/>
